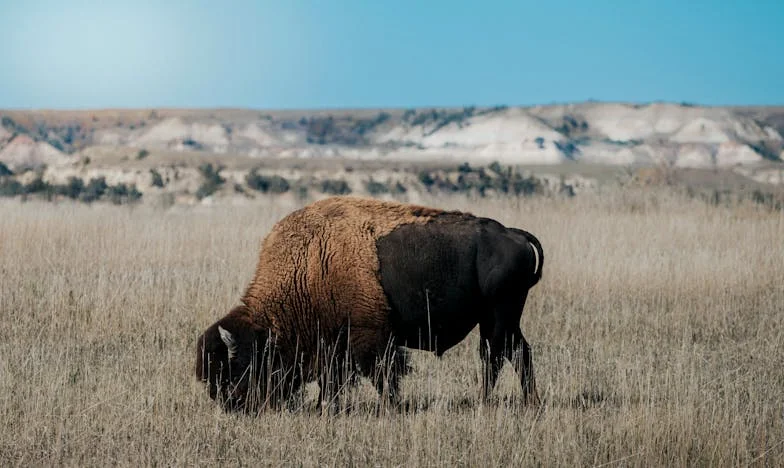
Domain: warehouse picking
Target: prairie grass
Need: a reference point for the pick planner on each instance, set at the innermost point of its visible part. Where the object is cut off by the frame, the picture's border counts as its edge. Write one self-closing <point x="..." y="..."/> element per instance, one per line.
<point x="657" y="330"/>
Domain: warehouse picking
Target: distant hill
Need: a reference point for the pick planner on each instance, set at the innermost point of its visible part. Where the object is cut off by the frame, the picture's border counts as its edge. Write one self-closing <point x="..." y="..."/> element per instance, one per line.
<point x="677" y="135"/>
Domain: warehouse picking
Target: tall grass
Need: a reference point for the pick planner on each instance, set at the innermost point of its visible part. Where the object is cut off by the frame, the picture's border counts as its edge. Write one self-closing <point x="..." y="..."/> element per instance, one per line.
<point x="657" y="333"/>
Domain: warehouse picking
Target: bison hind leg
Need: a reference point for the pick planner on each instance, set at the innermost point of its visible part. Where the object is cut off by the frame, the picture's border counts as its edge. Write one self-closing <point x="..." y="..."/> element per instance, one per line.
<point x="523" y="364"/>
<point x="514" y="347"/>
<point x="492" y="362"/>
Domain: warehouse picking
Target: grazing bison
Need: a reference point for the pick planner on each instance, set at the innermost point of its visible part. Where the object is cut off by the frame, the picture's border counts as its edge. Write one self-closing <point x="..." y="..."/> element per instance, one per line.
<point x="347" y="284"/>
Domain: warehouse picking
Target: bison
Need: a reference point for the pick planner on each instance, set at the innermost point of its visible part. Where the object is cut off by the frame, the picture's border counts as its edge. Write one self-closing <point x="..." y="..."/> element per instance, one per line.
<point x="344" y="285"/>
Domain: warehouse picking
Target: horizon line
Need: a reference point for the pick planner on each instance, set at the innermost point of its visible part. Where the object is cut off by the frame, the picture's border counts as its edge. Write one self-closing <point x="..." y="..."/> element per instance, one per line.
<point x="683" y="103"/>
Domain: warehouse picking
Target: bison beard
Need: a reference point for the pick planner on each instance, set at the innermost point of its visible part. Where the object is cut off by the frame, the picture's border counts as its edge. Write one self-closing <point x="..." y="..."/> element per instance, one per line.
<point x="345" y="284"/>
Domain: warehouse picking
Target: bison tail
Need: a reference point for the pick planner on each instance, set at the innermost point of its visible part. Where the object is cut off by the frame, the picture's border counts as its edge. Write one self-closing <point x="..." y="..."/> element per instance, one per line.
<point x="538" y="253"/>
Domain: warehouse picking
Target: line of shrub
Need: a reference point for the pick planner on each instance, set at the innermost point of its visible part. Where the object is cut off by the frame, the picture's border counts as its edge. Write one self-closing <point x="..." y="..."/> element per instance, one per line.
<point x="481" y="180"/>
<point x="335" y="187"/>
<point x="74" y="188"/>
<point x="267" y="184"/>
<point x="374" y="187"/>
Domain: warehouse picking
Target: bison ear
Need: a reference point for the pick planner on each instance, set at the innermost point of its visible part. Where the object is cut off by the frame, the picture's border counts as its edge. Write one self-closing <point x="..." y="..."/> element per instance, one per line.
<point x="229" y="341"/>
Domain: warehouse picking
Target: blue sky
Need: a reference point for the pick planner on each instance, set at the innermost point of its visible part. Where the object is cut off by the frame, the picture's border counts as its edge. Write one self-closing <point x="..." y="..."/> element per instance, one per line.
<point x="320" y="54"/>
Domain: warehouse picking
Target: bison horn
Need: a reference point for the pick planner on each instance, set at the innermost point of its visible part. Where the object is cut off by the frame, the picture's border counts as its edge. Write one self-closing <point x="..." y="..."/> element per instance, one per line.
<point x="228" y="339"/>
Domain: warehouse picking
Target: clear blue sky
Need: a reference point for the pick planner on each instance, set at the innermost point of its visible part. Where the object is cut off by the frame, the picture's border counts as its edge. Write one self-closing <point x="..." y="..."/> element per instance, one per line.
<point x="371" y="53"/>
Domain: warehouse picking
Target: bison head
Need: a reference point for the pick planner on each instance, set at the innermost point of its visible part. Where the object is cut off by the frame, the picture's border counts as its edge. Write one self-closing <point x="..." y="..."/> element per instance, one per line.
<point x="234" y="357"/>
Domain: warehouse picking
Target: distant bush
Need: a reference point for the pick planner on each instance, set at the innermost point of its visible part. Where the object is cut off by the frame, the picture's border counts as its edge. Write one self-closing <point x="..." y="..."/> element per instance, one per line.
<point x="570" y="124"/>
<point x="264" y="184"/>
<point x="492" y="110"/>
<point x="768" y="200"/>
<point x="376" y="188"/>
<point x="212" y="180"/>
<point x="365" y="125"/>
<point x="335" y="187"/>
<point x="526" y="185"/>
<point x="9" y="124"/>
<point x="193" y="144"/>
<point x="211" y="173"/>
<point x="301" y="191"/>
<point x="278" y="184"/>
<point x="496" y="167"/>
<point x="54" y="142"/>
<point x="122" y="193"/>
<point x="4" y="170"/>
<point x="143" y="153"/>
<point x="319" y="128"/>
<point x="10" y="187"/>
<point x="566" y="190"/>
<point x="568" y="149"/>
<point x="426" y="179"/>
<point x="441" y="119"/>
<point x="38" y="185"/>
<point x="422" y="118"/>
<point x="767" y="150"/>
<point x="71" y="189"/>
<point x="94" y="190"/>
<point x="157" y="180"/>
<point x="464" y="168"/>
<point x="610" y="141"/>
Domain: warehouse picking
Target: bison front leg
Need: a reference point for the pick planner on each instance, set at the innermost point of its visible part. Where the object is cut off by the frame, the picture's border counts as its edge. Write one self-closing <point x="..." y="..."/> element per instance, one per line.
<point x="334" y="370"/>
<point x="390" y="367"/>
<point x="332" y="379"/>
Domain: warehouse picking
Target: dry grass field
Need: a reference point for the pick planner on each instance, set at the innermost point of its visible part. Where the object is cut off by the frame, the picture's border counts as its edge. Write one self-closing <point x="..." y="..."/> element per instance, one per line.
<point x="657" y="331"/>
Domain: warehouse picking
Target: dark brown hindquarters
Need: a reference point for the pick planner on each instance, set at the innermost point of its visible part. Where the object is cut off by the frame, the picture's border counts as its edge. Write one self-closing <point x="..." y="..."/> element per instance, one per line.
<point x="444" y="277"/>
